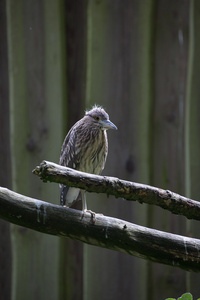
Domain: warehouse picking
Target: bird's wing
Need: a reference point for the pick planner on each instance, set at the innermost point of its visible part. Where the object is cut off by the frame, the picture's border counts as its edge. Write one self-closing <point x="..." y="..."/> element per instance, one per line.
<point x="67" y="155"/>
<point x="69" y="158"/>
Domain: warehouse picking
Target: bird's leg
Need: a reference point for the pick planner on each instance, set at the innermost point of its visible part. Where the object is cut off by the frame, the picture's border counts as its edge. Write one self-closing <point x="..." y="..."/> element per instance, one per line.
<point x="84" y="205"/>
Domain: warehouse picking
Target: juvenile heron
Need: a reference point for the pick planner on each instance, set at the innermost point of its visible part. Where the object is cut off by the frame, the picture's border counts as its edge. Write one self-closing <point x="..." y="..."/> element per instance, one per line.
<point x="85" y="148"/>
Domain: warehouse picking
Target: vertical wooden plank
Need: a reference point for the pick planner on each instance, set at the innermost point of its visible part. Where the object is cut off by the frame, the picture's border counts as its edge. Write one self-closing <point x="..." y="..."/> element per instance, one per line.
<point x="5" y="170"/>
<point x="192" y="142"/>
<point x="71" y="258"/>
<point x="36" y="95"/>
<point x="119" y="78"/>
<point x="76" y="20"/>
<point x="171" y="52"/>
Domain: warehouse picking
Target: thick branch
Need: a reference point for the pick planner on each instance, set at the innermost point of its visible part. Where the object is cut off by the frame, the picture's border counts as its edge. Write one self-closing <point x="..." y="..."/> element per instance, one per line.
<point x="166" y="199"/>
<point x="100" y="231"/>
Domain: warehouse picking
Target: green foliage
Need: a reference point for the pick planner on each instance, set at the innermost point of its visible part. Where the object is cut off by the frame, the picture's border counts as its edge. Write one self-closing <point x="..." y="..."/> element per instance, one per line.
<point x="186" y="296"/>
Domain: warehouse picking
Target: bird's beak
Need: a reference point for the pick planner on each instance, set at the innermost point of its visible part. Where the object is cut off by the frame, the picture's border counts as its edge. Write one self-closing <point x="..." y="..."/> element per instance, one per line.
<point x="107" y="124"/>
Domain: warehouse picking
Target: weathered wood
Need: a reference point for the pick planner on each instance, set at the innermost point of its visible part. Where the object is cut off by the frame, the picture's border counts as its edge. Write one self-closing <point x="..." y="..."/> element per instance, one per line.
<point x="119" y="77"/>
<point x="99" y="230"/>
<point x="36" y="92"/>
<point x="192" y="123"/>
<point x="71" y="258"/>
<point x="5" y="159"/>
<point x="111" y="58"/>
<point x="132" y="191"/>
<point x="167" y="126"/>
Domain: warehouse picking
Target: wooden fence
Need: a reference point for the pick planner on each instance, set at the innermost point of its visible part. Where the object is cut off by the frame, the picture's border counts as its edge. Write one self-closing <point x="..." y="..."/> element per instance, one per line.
<point x="140" y="60"/>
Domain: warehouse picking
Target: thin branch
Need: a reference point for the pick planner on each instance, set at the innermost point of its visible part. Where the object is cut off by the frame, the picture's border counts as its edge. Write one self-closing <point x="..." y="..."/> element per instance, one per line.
<point x="131" y="191"/>
<point x="102" y="231"/>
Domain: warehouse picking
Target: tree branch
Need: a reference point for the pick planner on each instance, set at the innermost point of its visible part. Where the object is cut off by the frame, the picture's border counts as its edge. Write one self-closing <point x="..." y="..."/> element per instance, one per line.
<point x="102" y="231"/>
<point x="132" y="191"/>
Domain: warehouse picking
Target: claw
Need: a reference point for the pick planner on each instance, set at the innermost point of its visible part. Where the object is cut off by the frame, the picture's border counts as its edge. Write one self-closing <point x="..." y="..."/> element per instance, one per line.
<point x="93" y="214"/>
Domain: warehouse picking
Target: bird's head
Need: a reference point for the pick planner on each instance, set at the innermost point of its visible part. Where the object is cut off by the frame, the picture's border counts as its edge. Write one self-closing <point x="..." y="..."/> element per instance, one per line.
<point x="98" y="116"/>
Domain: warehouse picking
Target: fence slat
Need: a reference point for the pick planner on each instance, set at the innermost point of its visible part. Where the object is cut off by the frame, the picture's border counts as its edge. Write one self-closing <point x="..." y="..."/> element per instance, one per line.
<point x="36" y="95"/>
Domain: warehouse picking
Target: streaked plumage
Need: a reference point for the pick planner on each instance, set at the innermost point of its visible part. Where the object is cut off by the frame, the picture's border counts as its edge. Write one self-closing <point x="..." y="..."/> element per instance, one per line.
<point x="85" y="148"/>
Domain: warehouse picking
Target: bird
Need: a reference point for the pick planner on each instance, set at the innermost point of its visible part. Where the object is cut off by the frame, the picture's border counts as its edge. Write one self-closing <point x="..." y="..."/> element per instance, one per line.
<point x="85" y="149"/>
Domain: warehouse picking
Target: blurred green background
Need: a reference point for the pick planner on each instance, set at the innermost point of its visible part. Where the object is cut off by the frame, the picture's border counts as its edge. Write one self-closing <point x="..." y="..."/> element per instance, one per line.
<point x="140" y="60"/>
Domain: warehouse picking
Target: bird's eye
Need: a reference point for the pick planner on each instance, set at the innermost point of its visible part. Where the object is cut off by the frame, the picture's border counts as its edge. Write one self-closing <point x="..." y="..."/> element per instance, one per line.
<point x="96" y="118"/>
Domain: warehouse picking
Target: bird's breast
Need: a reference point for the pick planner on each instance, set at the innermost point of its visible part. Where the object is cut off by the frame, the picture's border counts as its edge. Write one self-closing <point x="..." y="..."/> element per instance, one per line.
<point x="94" y="157"/>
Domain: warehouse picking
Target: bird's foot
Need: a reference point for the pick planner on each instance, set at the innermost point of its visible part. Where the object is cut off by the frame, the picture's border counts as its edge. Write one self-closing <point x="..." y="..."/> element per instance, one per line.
<point x="93" y="214"/>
